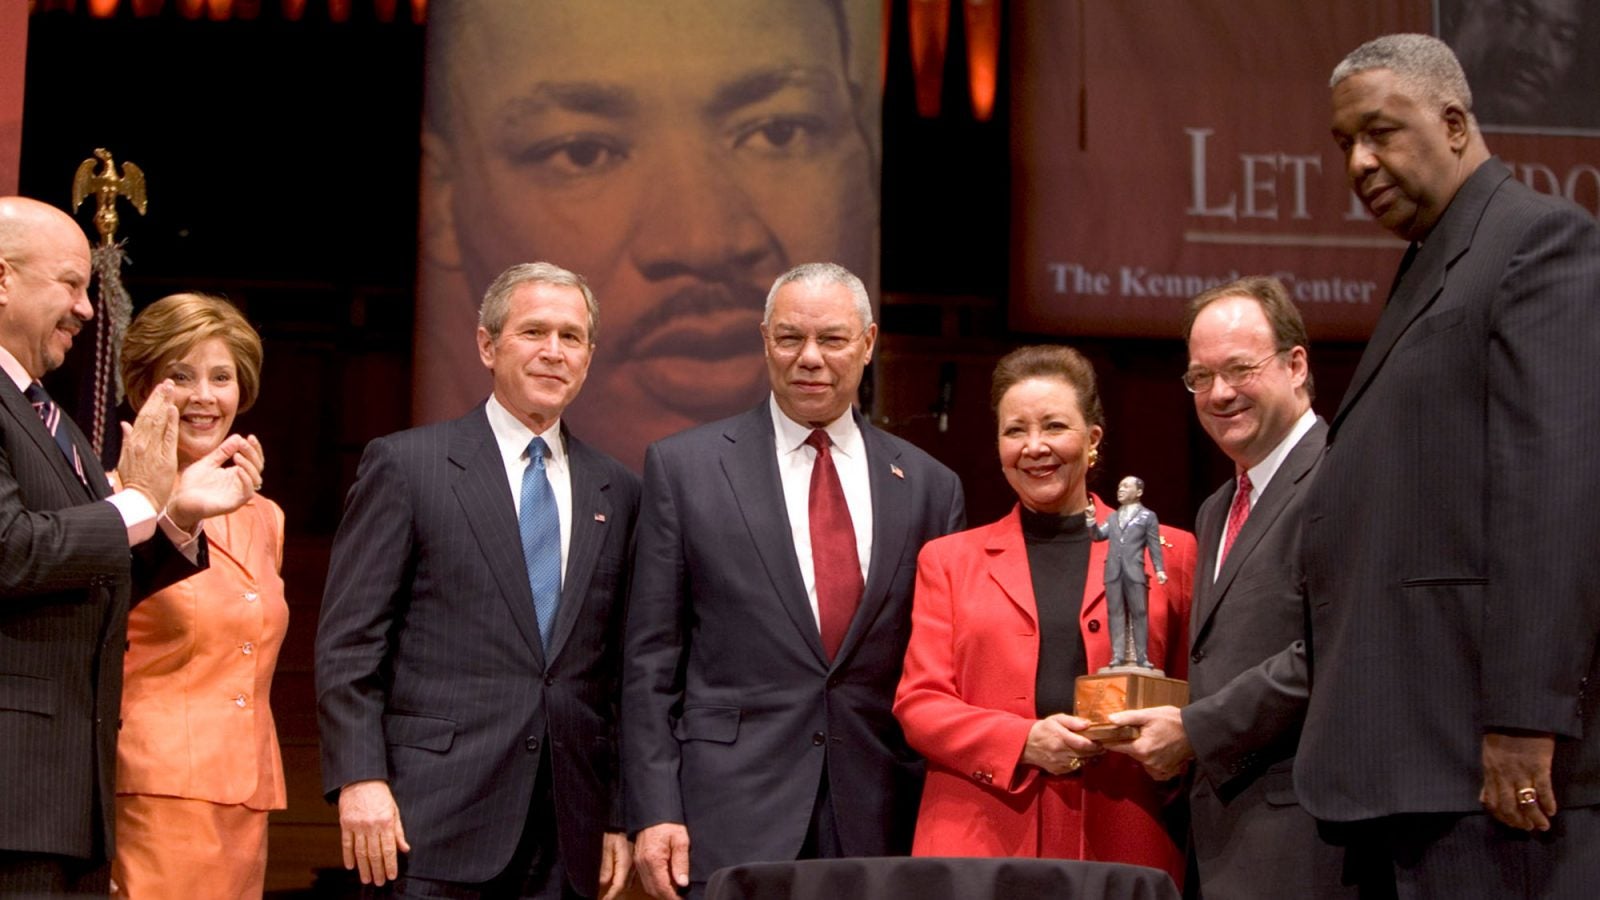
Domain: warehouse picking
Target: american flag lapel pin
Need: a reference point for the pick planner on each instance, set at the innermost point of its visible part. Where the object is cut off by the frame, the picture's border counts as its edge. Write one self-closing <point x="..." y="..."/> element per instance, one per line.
<point x="898" y="472"/>
<point x="599" y="517"/>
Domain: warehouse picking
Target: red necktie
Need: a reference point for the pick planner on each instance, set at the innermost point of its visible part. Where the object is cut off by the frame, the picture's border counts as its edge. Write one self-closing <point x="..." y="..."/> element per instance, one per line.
<point x="1237" y="513"/>
<point x="833" y="548"/>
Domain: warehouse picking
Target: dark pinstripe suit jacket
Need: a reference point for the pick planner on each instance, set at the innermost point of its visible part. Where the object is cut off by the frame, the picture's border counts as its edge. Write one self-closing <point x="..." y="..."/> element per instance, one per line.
<point x="429" y="667"/>
<point x="1247" y="688"/>
<point x="1451" y="532"/>
<point x="65" y="584"/>
<point x="730" y="703"/>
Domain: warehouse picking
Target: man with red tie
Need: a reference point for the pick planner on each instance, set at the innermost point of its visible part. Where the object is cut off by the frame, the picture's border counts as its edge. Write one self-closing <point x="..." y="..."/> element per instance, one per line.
<point x="770" y="611"/>
<point x="1251" y="381"/>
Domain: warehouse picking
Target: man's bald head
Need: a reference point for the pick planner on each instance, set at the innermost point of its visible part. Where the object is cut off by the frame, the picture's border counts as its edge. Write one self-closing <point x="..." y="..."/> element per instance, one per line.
<point x="44" y="283"/>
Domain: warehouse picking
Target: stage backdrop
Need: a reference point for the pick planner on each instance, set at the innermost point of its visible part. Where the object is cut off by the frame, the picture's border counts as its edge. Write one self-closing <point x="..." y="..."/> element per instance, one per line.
<point x="678" y="155"/>
<point x="1165" y="146"/>
<point x="13" y="54"/>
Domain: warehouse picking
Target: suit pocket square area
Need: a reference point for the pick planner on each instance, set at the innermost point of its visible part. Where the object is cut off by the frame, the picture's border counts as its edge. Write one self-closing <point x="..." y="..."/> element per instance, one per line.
<point x="719" y="724"/>
<point x="424" y="732"/>
<point x="28" y="693"/>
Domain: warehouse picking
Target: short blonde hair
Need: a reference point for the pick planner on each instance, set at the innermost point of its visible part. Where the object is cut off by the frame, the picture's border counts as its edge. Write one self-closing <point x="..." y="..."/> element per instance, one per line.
<point x="172" y="326"/>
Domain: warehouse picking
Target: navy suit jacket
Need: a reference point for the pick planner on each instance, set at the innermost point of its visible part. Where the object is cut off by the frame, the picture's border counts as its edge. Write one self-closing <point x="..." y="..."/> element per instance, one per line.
<point x="1247" y="690"/>
<point x="430" y="672"/>
<point x="1464" y="446"/>
<point x="66" y="582"/>
<point x="730" y="705"/>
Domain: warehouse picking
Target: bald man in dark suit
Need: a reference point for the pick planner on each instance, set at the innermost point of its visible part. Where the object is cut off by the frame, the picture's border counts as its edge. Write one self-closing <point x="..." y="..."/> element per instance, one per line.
<point x="74" y="554"/>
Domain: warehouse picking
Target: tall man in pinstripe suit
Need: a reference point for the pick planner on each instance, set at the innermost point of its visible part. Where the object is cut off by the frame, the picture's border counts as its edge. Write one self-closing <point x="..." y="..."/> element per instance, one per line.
<point x="467" y="655"/>
<point x="66" y="541"/>
<point x="1453" y="729"/>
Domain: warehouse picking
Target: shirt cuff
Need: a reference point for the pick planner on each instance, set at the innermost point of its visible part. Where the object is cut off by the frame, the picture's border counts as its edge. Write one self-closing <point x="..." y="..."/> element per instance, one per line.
<point x="140" y="518"/>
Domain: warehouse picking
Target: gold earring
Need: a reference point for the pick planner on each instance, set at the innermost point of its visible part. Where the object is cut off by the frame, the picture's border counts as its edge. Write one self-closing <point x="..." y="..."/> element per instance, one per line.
<point x="1094" y="456"/>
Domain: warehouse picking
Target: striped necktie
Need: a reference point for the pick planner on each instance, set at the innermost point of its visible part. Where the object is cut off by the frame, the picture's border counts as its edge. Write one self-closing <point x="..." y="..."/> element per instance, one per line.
<point x="1237" y="513"/>
<point x="50" y="414"/>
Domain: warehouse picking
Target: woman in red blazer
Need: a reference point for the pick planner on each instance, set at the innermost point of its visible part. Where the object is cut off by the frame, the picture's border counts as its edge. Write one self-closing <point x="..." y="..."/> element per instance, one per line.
<point x="1000" y="627"/>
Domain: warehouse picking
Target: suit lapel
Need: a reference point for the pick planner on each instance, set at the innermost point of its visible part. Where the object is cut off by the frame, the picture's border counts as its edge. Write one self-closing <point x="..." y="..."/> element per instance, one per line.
<point x="1008" y="564"/>
<point x="1421" y="285"/>
<point x="484" y="494"/>
<point x="98" y="487"/>
<point x="28" y="419"/>
<point x="591" y="517"/>
<point x="891" y="522"/>
<point x="1208" y="533"/>
<point x="1285" y="483"/>
<point x="750" y="463"/>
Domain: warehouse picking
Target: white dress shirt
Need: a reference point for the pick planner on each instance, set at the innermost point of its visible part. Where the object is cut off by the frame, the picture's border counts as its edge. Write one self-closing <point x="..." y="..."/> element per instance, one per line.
<point x="795" y="459"/>
<point x="1261" y="473"/>
<point x="513" y="437"/>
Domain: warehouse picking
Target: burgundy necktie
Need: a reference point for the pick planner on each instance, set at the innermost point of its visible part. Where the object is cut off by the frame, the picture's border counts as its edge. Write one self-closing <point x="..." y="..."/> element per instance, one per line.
<point x="833" y="548"/>
<point x="1237" y="513"/>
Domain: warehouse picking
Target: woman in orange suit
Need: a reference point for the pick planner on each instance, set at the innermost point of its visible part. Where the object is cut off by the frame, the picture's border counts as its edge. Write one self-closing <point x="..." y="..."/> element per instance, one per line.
<point x="1006" y="616"/>
<point x="198" y="765"/>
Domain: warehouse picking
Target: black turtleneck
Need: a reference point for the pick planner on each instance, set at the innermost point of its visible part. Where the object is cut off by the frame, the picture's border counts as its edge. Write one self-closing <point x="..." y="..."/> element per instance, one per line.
<point x="1058" y="559"/>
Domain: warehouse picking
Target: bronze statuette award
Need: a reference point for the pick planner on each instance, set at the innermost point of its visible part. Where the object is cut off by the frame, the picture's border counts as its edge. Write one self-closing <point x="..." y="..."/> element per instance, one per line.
<point x="1130" y="681"/>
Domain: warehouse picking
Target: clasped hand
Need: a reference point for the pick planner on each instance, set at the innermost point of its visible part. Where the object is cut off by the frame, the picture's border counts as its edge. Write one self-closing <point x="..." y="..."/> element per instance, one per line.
<point x="1056" y="745"/>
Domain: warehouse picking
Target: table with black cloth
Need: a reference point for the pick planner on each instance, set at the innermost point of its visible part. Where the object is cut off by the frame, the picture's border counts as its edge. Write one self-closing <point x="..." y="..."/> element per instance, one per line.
<point x="938" y="878"/>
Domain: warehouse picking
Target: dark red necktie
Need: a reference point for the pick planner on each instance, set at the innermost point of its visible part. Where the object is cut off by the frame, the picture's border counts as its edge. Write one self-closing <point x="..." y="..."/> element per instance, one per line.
<point x="833" y="548"/>
<point x="1237" y="513"/>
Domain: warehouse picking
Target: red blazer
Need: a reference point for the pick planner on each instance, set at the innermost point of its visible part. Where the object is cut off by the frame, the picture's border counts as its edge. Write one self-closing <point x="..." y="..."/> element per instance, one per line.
<point x="966" y="702"/>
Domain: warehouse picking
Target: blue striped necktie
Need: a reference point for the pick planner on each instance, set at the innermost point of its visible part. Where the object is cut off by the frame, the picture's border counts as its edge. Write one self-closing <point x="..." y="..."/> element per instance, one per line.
<point x="541" y="539"/>
<point x="50" y="414"/>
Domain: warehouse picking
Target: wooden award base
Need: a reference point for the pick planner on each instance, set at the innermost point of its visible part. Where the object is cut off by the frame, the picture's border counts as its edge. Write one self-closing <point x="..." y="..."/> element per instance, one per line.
<point x="1096" y="697"/>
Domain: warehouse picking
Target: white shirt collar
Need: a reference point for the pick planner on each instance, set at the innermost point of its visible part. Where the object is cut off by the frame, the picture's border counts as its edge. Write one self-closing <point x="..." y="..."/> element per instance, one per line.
<point x="13" y="368"/>
<point x="1261" y="473"/>
<point x="791" y="435"/>
<point x="513" y="436"/>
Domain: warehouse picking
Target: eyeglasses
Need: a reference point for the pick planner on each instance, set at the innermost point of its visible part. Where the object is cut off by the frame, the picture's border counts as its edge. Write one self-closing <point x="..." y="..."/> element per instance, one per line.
<point x="790" y="345"/>
<point x="1198" y="381"/>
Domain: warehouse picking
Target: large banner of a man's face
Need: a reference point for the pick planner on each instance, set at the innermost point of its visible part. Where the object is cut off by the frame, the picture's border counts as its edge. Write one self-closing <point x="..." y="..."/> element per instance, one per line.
<point x="678" y="155"/>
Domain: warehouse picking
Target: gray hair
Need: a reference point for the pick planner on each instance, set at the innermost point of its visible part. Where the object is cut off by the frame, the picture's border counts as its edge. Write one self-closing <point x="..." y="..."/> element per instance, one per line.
<point x="1422" y="62"/>
<point x="823" y="274"/>
<point x="497" y="299"/>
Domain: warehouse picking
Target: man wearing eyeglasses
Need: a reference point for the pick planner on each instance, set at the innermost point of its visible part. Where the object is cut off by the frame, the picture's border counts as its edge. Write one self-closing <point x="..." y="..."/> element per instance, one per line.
<point x="770" y="611"/>
<point x="1249" y="373"/>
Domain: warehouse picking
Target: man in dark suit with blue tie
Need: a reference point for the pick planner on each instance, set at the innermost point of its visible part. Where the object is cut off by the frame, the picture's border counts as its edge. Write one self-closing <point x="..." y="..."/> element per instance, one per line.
<point x="770" y="610"/>
<point x="467" y="654"/>
<point x="73" y="556"/>
<point x="1452" y="740"/>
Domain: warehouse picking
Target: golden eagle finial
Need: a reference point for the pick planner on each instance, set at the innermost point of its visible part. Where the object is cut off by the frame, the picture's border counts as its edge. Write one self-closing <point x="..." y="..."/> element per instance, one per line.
<point x="106" y="185"/>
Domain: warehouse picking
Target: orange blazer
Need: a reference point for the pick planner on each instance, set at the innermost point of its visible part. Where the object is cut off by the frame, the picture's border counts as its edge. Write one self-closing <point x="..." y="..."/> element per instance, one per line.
<point x="966" y="702"/>
<point x="198" y="672"/>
